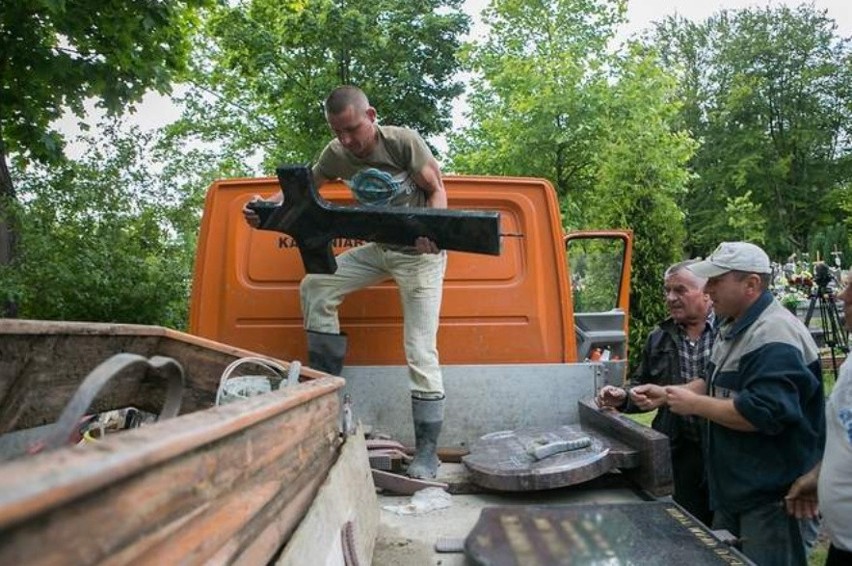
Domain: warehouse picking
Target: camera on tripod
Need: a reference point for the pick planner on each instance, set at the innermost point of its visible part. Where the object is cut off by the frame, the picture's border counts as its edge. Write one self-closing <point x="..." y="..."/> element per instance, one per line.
<point x="823" y="301"/>
<point x="822" y="275"/>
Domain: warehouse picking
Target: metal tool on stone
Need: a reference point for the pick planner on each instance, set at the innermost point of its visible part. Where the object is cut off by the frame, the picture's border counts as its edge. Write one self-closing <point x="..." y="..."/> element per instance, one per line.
<point x="535" y="458"/>
<point x="542" y="450"/>
<point x="314" y="222"/>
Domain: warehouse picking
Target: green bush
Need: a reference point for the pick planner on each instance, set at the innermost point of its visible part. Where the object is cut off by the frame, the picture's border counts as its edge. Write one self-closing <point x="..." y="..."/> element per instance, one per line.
<point x="98" y="239"/>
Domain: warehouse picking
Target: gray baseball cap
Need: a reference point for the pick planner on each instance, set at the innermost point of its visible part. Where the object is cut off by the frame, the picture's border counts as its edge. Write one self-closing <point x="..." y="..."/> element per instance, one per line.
<point x="732" y="256"/>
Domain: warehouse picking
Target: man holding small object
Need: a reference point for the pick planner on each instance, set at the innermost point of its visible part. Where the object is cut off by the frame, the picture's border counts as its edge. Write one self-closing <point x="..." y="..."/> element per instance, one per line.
<point x="676" y="352"/>
<point x="763" y="403"/>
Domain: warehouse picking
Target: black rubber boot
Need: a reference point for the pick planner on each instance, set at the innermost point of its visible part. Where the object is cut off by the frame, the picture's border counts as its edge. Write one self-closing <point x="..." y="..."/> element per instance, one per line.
<point x="428" y="417"/>
<point x="326" y="351"/>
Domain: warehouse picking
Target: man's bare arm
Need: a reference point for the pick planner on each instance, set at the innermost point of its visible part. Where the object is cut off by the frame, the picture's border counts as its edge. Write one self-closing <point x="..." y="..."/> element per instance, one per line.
<point x="429" y="179"/>
<point x="696" y="385"/>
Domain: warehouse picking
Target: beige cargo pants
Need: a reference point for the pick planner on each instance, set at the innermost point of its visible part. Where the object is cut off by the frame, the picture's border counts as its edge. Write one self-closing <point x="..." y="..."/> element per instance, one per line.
<point x="420" y="280"/>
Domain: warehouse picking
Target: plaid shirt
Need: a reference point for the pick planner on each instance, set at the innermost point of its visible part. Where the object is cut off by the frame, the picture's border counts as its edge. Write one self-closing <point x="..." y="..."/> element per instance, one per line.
<point x="694" y="357"/>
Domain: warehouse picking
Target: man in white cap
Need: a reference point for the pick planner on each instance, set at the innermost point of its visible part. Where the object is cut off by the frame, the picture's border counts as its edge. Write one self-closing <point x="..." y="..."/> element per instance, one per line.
<point x="763" y="401"/>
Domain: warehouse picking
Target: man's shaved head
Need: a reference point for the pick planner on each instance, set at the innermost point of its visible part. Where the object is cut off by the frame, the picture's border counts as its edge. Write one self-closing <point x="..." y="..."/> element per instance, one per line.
<point x="345" y="96"/>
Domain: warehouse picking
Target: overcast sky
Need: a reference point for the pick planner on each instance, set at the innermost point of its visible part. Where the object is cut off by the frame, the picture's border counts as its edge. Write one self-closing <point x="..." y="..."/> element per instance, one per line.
<point x="641" y="13"/>
<point x="156" y="110"/>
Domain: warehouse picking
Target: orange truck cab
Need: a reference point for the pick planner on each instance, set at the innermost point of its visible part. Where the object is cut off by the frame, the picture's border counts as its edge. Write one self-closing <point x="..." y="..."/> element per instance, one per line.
<point x="523" y="335"/>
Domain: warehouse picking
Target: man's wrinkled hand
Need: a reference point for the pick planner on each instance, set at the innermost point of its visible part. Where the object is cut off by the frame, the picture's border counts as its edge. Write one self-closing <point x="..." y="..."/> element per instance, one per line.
<point x="801" y="501"/>
<point x="648" y="396"/>
<point x="681" y="400"/>
<point x="611" y="397"/>
<point x="426" y="246"/>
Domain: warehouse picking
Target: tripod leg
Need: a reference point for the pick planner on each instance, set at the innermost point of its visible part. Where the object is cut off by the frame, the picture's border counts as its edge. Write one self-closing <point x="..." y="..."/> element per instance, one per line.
<point x="834" y="336"/>
<point x="810" y="312"/>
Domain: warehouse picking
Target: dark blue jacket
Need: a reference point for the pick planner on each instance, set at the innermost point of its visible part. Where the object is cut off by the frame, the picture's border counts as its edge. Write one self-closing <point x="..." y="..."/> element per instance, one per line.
<point x="770" y="366"/>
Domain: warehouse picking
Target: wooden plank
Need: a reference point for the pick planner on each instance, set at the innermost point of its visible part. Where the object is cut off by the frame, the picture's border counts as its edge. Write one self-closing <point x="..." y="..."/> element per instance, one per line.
<point x="403" y="485"/>
<point x="45" y="481"/>
<point x="222" y="530"/>
<point x="98" y="527"/>
<point x="347" y="495"/>
<point x="278" y="528"/>
<point x="170" y="477"/>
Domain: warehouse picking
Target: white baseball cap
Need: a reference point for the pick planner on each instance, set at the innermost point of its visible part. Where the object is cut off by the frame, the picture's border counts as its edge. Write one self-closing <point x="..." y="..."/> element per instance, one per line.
<point x="732" y="256"/>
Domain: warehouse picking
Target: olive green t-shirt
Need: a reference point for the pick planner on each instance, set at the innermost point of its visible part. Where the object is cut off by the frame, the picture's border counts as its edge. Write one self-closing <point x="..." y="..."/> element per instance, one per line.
<point x="386" y="176"/>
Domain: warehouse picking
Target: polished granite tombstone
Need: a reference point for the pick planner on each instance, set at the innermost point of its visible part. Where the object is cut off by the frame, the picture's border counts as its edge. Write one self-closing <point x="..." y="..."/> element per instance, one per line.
<point x="652" y="532"/>
<point x="505" y="460"/>
<point x="509" y="461"/>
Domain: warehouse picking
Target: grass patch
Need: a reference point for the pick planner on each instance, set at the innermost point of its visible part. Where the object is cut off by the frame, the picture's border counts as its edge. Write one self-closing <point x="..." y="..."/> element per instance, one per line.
<point x="643" y="418"/>
<point x="819" y="552"/>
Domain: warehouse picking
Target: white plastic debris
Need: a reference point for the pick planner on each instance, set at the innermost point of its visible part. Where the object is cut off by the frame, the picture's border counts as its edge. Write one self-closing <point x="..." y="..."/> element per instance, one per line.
<point x="236" y="388"/>
<point x="422" y="502"/>
<point x="243" y="387"/>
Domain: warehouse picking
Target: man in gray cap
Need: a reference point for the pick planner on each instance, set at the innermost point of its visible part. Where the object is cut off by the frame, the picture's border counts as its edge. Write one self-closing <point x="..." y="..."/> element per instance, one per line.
<point x="763" y="401"/>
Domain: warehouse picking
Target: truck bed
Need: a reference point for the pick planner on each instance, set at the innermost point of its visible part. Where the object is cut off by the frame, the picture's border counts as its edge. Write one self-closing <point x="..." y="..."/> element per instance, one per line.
<point x="405" y="540"/>
<point x="619" y="523"/>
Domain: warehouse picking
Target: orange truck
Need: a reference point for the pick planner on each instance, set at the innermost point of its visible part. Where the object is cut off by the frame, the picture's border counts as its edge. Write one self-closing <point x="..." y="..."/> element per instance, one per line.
<point x="526" y="339"/>
<point x="516" y="332"/>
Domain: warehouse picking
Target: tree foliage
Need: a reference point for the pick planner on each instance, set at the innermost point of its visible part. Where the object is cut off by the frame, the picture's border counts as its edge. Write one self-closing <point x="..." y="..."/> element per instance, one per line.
<point x="538" y="91"/>
<point x="106" y="239"/>
<point x="769" y="93"/>
<point x="55" y="55"/>
<point x="551" y="100"/>
<point x="264" y="68"/>
<point x="641" y="171"/>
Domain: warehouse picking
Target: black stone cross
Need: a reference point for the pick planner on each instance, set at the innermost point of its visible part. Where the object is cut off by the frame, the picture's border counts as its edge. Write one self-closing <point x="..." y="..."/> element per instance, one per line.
<point x="313" y="223"/>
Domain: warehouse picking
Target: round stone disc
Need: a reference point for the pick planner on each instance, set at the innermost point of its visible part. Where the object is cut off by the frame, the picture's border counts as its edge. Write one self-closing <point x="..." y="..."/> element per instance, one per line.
<point x="506" y="460"/>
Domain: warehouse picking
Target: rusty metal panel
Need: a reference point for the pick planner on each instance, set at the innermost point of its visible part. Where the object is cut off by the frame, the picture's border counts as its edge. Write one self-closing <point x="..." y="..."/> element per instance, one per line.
<point x="480" y="398"/>
<point x="628" y="533"/>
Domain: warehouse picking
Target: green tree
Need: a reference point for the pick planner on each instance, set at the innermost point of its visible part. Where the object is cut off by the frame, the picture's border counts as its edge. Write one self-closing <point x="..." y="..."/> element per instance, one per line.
<point x="746" y="219"/>
<point x="264" y="68"/>
<point x="55" y="55"/>
<point x="106" y="238"/>
<point x="537" y="96"/>
<point x="551" y="100"/>
<point x="641" y="171"/>
<point x="769" y="93"/>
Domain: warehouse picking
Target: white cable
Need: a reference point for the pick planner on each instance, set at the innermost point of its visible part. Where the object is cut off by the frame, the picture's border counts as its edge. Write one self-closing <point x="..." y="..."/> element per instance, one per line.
<point x="269" y="365"/>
